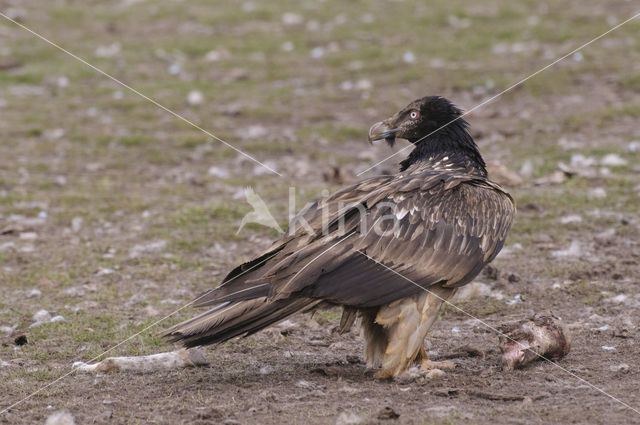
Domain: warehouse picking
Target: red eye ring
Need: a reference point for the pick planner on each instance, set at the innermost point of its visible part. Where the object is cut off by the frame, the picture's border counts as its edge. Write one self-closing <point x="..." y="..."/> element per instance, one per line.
<point x="414" y="115"/>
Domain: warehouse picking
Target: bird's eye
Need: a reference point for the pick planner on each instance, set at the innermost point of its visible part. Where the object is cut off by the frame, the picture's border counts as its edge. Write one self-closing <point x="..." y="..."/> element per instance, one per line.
<point x="414" y="115"/>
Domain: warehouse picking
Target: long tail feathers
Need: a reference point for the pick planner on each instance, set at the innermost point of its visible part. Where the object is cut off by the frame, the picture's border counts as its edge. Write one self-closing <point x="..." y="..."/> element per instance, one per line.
<point x="229" y="320"/>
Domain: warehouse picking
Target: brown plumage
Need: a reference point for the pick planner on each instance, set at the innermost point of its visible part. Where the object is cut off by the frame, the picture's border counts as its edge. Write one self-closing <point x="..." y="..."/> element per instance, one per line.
<point x="389" y="249"/>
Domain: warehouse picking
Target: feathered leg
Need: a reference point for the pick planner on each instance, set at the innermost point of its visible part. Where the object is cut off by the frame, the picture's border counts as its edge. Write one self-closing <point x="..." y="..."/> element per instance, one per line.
<point x="406" y="323"/>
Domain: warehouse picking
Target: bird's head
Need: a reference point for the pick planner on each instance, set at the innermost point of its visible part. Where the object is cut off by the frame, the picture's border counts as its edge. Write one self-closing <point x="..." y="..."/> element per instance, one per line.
<point x="416" y="121"/>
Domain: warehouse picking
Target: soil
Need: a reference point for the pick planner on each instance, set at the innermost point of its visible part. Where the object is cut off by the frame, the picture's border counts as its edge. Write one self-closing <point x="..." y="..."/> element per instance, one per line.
<point x="126" y="215"/>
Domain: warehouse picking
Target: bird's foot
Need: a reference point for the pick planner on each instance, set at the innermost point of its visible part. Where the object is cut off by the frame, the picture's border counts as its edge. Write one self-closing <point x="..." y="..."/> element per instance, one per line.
<point x="427" y="365"/>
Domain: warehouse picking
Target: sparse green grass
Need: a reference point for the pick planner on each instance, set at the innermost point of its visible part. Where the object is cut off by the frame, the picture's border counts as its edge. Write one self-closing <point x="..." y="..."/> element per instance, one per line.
<point x="135" y="174"/>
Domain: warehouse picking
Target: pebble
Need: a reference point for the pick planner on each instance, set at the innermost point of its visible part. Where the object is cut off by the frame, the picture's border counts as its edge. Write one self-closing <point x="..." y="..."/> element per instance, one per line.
<point x="613" y="160"/>
<point x="149" y="247"/>
<point x="266" y="370"/>
<point x="364" y="85"/>
<point x="597" y="193"/>
<point x="573" y="218"/>
<point x="317" y="53"/>
<point x="618" y="299"/>
<point x="217" y="55"/>
<point x="218" y="172"/>
<point x="349" y="418"/>
<point x="42" y="316"/>
<point x="34" y="293"/>
<point x="580" y="161"/>
<point x="305" y="384"/>
<point x="108" y="50"/>
<point x="104" y="272"/>
<point x="622" y="367"/>
<point x="195" y="98"/>
<point x="408" y="57"/>
<point x="574" y="250"/>
<point x="60" y="417"/>
<point x="287" y="46"/>
<point x="290" y="19"/>
<point x="150" y="311"/>
<point x="608" y="348"/>
<point x="174" y="69"/>
<point x="255" y="131"/>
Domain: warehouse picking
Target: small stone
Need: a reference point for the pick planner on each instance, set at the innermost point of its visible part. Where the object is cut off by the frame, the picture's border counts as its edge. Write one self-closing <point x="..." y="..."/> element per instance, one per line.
<point x="387" y="413"/>
<point x="364" y="85"/>
<point x="60" y="417"/>
<point x="34" y="293"/>
<point x="317" y="53"/>
<point x="76" y="224"/>
<point x="266" y="370"/>
<point x="108" y="51"/>
<point x="62" y="82"/>
<point x="408" y="57"/>
<point x="291" y="19"/>
<point x="305" y="384"/>
<point x="613" y="160"/>
<point x="104" y="272"/>
<point x="217" y="55"/>
<point x="620" y="368"/>
<point x="218" y="172"/>
<point x="255" y="131"/>
<point x="349" y="418"/>
<point x="573" y="218"/>
<point x="557" y="177"/>
<point x="597" y="193"/>
<point x="574" y="250"/>
<point x="174" y="69"/>
<point x="608" y="348"/>
<point x="53" y="134"/>
<point x="513" y="278"/>
<point x="42" y="316"/>
<point x="150" y="311"/>
<point x="195" y="98"/>
<point x="346" y="85"/>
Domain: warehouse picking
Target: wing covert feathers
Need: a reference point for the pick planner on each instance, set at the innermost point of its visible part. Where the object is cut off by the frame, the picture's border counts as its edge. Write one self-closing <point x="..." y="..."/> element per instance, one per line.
<point x="430" y="226"/>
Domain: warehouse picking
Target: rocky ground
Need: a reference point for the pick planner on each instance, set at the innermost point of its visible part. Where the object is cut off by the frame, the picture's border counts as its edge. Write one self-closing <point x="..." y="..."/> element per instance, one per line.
<point x="115" y="214"/>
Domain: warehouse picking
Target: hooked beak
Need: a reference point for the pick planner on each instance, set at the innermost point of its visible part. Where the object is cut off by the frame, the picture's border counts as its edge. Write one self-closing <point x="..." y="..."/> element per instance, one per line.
<point x="382" y="130"/>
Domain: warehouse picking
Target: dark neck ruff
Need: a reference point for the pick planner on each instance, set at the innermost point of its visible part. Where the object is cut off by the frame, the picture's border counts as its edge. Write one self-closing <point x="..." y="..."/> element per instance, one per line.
<point x="452" y="141"/>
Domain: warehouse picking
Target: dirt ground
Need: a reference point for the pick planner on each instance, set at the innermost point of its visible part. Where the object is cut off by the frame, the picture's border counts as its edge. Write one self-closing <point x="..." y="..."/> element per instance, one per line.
<point x="115" y="214"/>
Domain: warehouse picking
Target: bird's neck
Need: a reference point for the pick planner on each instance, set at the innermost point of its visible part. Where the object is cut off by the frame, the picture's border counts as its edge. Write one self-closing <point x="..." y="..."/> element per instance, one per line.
<point x="451" y="147"/>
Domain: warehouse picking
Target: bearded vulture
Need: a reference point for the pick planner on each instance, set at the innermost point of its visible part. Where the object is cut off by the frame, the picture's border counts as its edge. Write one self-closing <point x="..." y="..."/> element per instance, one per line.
<point x="390" y="249"/>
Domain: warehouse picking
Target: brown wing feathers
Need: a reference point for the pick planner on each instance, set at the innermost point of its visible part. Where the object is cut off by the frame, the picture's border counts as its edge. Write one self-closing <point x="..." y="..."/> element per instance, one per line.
<point x="449" y="222"/>
<point x="449" y="231"/>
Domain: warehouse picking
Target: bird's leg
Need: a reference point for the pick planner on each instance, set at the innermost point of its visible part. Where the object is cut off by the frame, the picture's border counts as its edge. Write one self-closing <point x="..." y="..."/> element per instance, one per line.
<point x="406" y="323"/>
<point x="427" y="365"/>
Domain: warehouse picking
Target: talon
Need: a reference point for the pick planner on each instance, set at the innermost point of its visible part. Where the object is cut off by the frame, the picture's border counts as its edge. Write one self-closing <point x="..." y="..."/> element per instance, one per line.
<point x="426" y="365"/>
